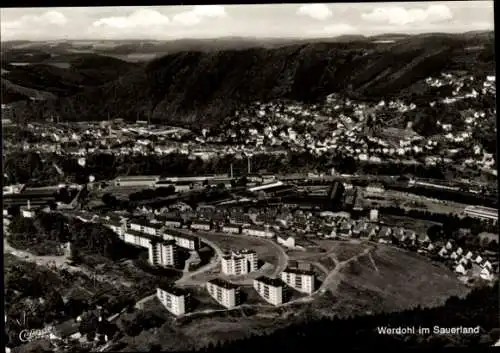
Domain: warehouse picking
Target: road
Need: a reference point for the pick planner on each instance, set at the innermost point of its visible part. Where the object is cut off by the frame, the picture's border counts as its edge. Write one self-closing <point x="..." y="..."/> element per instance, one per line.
<point x="208" y="267"/>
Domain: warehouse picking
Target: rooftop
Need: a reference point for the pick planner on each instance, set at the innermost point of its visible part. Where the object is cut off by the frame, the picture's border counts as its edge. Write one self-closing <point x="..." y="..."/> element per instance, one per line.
<point x="275" y="282"/>
<point x="224" y="284"/>
<point x="173" y="290"/>
<point x="298" y="271"/>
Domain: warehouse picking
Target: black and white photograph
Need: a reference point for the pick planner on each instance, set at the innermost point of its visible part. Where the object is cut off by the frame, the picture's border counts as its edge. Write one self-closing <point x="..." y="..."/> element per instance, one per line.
<point x="249" y="177"/>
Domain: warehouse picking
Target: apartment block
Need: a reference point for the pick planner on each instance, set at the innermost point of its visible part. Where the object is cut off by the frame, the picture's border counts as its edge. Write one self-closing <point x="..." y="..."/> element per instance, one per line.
<point x="225" y="293"/>
<point x="300" y="280"/>
<point x="273" y="290"/>
<point x="175" y="300"/>
<point x="163" y="253"/>
<point x="239" y="262"/>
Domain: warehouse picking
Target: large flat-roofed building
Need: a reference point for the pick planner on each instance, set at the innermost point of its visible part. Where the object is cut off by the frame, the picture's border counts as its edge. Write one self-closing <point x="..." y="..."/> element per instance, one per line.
<point x="239" y="263"/>
<point x="258" y="231"/>
<point x="160" y="252"/>
<point x="231" y="228"/>
<point x="273" y="290"/>
<point x="225" y="293"/>
<point x="147" y="227"/>
<point x="185" y="241"/>
<point x="482" y="212"/>
<point x="139" y="180"/>
<point x="201" y="225"/>
<point x="175" y="300"/>
<point x="300" y="280"/>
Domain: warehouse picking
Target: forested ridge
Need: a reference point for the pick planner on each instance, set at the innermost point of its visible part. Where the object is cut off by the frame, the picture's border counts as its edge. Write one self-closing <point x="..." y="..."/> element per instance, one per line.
<point x="197" y="88"/>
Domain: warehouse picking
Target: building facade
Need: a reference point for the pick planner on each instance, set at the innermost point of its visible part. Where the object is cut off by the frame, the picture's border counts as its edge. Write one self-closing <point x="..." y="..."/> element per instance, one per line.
<point x="300" y="280"/>
<point x="175" y="300"/>
<point x="273" y="290"/>
<point x="225" y="293"/>
<point x="163" y="253"/>
<point x="239" y="263"/>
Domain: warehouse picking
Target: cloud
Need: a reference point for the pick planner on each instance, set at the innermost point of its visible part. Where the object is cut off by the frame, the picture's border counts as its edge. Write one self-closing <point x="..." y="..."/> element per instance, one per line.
<point x="317" y="11"/>
<point x="198" y="13"/>
<point x="395" y="15"/>
<point x="140" y="18"/>
<point x="48" y="18"/>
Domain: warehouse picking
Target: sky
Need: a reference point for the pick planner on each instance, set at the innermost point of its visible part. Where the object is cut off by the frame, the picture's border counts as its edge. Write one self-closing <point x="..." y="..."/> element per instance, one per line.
<point x="272" y="20"/>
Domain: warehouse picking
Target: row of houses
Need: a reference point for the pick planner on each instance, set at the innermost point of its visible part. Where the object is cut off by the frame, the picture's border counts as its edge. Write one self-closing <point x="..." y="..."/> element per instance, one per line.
<point x="460" y="260"/>
<point x="275" y="291"/>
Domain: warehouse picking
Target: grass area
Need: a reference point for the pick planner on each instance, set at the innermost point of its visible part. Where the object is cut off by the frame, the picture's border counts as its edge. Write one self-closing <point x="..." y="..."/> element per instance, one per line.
<point x="265" y="252"/>
<point x="400" y="280"/>
<point x="327" y="262"/>
<point x="418" y="225"/>
<point x="488" y="236"/>
<point x="202" y="299"/>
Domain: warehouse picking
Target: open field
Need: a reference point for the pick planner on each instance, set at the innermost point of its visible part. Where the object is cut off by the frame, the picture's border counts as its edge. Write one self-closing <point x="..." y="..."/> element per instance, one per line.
<point x="418" y="225"/>
<point x="265" y="252"/>
<point x="390" y="280"/>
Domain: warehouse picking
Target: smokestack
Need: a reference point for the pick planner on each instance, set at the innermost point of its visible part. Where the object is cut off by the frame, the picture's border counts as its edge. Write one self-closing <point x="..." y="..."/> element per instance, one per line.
<point x="29" y="205"/>
<point x="249" y="169"/>
<point x="231" y="170"/>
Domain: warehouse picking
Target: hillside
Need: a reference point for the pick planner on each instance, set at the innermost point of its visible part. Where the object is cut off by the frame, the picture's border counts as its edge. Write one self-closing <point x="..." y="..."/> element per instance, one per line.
<point x="77" y="72"/>
<point x="197" y="88"/>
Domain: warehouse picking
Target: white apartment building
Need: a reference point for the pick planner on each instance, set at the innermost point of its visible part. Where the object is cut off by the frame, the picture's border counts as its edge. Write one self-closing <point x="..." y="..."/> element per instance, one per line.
<point x="239" y="262"/>
<point x="198" y="225"/>
<point x="225" y="293"/>
<point x="182" y="240"/>
<point x="175" y="300"/>
<point x="160" y="252"/>
<point x="146" y="227"/>
<point x="163" y="253"/>
<point x="300" y="280"/>
<point x="118" y="227"/>
<point x="231" y="229"/>
<point x="256" y="231"/>
<point x="271" y="289"/>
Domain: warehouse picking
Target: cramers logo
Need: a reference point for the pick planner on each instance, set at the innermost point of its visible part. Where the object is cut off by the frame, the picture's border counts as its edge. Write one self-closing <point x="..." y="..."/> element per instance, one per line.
<point x="32" y="335"/>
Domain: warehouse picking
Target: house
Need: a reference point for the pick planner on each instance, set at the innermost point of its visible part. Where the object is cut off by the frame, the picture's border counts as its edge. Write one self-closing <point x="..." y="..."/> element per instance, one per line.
<point x="449" y="246"/>
<point x="478" y="260"/>
<point x="469" y="255"/>
<point x="273" y="290"/>
<point x="430" y="247"/>
<point x="259" y="231"/>
<point x="486" y="264"/>
<point x="486" y="274"/>
<point x="225" y="293"/>
<point x="443" y="252"/>
<point x="231" y="228"/>
<point x="423" y="238"/>
<point x="460" y="269"/>
<point x="463" y="260"/>
<point x="384" y="235"/>
<point x="288" y="242"/>
<point x="454" y="256"/>
<point x="175" y="300"/>
<point x="460" y="251"/>
<point x="301" y="280"/>
<point x="201" y="225"/>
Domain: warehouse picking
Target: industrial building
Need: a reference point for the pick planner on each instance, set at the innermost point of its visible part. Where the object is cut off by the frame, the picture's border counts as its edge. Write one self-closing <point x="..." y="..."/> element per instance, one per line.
<point x="239" y="263"/>
<point x="335" y="195"/>
<point x="301" y="280"/>
<point x="481" y="212"/>
<point x="273" y="290"/>
<point x="139" y="180"/>
<point x="259" y="231"/>
<point x="175" y="300"/>
<point x="225" y="293"/>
